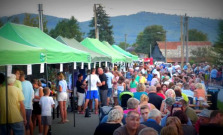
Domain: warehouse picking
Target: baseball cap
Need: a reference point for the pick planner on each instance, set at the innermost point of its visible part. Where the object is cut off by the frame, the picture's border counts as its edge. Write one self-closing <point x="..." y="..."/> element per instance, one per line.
<point x="205" y="113"/>
<point x="169" y="101"/>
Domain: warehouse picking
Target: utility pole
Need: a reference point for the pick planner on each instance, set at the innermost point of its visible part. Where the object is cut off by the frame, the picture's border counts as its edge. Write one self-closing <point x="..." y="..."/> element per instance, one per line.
<point x="165" y="48"/>
<point x="125" y="40"/>
<point x="186" y="34"/>
<point x="181" y="37"/>
<point x="95" y="21"/>
<point x="40" y="6"/>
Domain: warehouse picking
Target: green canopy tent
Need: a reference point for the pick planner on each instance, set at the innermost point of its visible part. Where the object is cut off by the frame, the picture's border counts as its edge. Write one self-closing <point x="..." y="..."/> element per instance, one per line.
<point x="97" y="46"/>
<point x="134" y="57"/>
<point x="32" y="36"/>
<point x="12" y="53"/>
<point x="95" y="57"/>
<point x="129" y="59"/>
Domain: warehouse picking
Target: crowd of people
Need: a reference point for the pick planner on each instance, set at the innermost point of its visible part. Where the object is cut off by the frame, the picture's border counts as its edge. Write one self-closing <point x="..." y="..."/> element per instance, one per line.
<point x="29" y="104"/>
<point x="165" y="99"/>
<point x="148" y="99"/>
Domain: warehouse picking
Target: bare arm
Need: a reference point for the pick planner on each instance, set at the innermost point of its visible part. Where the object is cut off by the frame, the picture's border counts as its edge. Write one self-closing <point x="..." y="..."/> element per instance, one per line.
<point x="23" y="111"/>
<point x="103" y="83"/>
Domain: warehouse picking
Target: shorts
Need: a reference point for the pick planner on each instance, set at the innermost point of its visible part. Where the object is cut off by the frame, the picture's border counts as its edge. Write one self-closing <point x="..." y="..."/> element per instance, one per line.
<point x="46" y="120"/>
<point x="109" y="92"/>
<point x="17" y="128"/>
<point x="28" y="118"/>
<point x="92" y="94"/>
<point x="62" y="96"/>
<point x="36" y="108"/>
<point x="81" y="97"/>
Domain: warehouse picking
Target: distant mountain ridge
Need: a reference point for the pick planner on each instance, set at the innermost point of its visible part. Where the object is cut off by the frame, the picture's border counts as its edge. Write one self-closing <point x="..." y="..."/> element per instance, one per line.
<point x="135" y="23"/>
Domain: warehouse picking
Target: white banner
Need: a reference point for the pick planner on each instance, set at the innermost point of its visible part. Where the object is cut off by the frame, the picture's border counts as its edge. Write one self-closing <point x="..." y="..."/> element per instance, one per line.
<point x="29" y="69"/>
<point x="94" y="64"/>
<point x="99" y="64"/>
<point x="106" y="63"/>
<point x="82" y="65"/>
<point x="75" y="65"/>
<point x="42" y="68"/>
<point x="61" y="67"/>
<point x="89" y="66"/>
<point x="113" y="64"/>
<point x="9" y="70"/>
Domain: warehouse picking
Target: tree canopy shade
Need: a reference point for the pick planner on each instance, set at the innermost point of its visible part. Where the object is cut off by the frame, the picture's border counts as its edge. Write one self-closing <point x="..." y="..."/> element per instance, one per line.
<point x="95" y="57"/>
<point x="134" y="57"/>
<point x="195" y="35"/>
<point x="12" y="53"/>
<point x="97" y="46"/>
<point x="31" y="36"/>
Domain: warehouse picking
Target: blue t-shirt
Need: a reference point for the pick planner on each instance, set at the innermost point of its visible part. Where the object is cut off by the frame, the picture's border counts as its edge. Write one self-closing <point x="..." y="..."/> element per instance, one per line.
<point x="109" y="79"/>
<point x="150" y="77"/>
<point x="214" y="73"/>
<point x="137" y="95"/>
<point x="28" y="92"/>
<point x="63" y="84"/>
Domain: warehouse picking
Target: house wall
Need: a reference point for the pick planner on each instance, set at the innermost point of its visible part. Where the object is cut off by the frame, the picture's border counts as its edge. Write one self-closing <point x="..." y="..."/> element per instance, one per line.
<point x="177" y="53"/>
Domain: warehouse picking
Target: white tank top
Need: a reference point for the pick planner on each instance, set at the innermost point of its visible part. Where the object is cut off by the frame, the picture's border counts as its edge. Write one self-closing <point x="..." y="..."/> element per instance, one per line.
<point x="36" y="94"/>
<point x="120" y="87"/>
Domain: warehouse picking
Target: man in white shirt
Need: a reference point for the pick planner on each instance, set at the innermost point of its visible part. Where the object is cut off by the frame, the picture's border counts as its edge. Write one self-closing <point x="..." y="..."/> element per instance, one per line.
<point x="92" y="92"/>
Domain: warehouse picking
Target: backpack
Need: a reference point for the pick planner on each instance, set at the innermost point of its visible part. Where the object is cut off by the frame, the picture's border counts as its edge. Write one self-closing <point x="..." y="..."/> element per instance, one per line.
<point x="104" y="111"/>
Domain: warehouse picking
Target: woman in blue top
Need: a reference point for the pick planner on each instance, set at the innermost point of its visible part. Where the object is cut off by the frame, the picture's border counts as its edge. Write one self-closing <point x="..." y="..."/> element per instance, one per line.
<point x="140" y="90"/>
<point x="62" y="97"/>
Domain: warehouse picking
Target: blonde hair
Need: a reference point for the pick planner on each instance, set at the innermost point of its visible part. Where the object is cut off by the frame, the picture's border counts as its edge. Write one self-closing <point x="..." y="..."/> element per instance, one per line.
<point x="199" y="86"/>
<point x="140" y="87"/>
<point x="174" y="121"/>
<point x="177" y="88"/>
<point x="144" y="98"/>
<point x="170" y="93"/>
<point x="169" y="130"/>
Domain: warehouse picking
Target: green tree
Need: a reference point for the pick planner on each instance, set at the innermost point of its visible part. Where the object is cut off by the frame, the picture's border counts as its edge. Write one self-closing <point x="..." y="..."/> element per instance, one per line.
<point x="218" y="45"/>
<point x="34" y="22"/>
<point x="1" y="23"/>
<point x="148" y="37"/>
<point x="104" y="27"/>
<point x="195" y="35"/>
<point x="67" y="28"/>
<point x="123" y="45"/>
<point x="15" y="20"/>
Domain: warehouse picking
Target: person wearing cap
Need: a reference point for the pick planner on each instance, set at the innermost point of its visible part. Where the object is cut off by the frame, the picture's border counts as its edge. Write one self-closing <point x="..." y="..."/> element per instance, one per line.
<point x="203" y="118"/>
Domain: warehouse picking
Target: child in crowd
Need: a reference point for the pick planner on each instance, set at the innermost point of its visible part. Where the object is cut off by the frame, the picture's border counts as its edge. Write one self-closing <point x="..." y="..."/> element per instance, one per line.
<point x="46" y="104"/>
<point x="133" y="84"/>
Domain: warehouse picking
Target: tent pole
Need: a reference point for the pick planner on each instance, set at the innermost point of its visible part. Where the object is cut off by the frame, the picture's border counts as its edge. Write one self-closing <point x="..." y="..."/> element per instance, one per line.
<point x="46" y="73"/>
<point x="6" y="93"/>
<point x="73" y="92"/>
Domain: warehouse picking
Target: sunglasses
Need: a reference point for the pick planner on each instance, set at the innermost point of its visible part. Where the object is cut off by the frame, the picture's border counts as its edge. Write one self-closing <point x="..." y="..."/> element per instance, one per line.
<point x="177" y="105"/>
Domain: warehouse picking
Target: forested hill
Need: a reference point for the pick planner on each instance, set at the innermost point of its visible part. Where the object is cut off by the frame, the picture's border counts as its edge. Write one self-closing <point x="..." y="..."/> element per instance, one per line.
<point x="135" y="23"/>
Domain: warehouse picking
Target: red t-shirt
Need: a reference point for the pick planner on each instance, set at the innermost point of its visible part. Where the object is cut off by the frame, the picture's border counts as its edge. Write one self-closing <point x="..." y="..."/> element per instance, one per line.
<point x="161" y="95"/>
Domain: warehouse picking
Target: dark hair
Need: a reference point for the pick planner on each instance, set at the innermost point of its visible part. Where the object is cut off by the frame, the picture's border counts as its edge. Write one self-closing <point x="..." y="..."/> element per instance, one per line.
<point x="182" y="116"/>
<point x="175" y="105"/>
<point x="158" y="89"/>
<point x="133" y="78"/>
<point x="93" y="70"/>
<point x="79" y="75"/>
<point x="178" y="93"/>
<point x="121" y="79"/>
<point x="215" y="112"/>
<point x="163" y="85"/>
<point x="170" y="85"/>
<point x="36" y="81"/>
<point x="2" y="78"/>
<point x="15" y="70"/>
